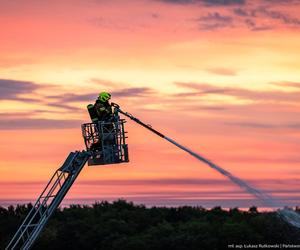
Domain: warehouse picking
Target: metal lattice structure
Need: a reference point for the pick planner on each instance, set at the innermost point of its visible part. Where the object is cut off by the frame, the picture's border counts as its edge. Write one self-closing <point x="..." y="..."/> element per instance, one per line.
<point x="106" y="140"/>
<point x="49" y="200"/>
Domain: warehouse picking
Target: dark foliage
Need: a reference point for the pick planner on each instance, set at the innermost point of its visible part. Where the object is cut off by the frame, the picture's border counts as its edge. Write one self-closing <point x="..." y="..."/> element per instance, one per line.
<point x="122" y="225"/>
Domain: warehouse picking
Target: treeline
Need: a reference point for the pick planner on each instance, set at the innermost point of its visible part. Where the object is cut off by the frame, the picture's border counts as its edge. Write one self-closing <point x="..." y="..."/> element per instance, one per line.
<point x="122" y="225"/>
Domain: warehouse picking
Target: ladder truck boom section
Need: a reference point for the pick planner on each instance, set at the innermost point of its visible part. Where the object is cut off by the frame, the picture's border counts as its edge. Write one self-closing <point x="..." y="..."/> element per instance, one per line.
<point x="105" y="144"/>
<point x="49" y="200"/>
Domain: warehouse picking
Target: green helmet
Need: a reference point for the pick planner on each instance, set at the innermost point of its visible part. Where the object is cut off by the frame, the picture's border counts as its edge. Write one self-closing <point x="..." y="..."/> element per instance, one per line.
<point x="104" y="96"/>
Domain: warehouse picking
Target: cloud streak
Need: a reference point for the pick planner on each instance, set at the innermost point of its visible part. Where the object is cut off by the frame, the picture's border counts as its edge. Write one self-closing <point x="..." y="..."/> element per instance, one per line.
<point x="13" y="89"/>
<point x="185" y="191"/>
<point x="34" y="123"/>
<point x="258" y="16"/>
<point x="133" y="92"/>
<point x="265" y="126"/>
<point x="90" y="97"/>
<point x="282" y="183"/>
<point x="213" y="21"/>
<point x="206" y="2"/>
<point x="287" y="84"/>
<point x="277" y="15"/>
<point x="242" y="93"/>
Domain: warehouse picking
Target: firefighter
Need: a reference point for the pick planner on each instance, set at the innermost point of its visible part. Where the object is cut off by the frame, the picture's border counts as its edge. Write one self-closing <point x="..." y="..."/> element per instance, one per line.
<point x="101" y="111"/>
<point x="103" y="108"/>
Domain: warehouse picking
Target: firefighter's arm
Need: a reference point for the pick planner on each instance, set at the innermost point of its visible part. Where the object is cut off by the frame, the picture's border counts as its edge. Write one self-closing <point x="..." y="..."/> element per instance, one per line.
<point x="101" y="109"/>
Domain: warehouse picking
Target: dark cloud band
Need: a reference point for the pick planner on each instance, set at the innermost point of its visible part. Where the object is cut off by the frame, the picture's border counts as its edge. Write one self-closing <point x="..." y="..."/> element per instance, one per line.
<point x="206" y="2"/>
<point x="12" y="89"/>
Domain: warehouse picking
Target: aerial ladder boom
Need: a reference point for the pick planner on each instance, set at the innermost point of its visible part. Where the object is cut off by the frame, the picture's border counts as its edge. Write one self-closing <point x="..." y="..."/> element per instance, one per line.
<point x="48" y="201"/>
<point x="105" y="144"/>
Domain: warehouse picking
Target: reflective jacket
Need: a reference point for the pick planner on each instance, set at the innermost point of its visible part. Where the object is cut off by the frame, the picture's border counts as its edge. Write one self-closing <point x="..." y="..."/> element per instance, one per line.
<point x="104" y="110"/>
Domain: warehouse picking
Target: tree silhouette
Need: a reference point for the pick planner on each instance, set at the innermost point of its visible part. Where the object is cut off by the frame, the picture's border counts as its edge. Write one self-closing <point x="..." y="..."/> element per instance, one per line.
<point x="123" y="225"/>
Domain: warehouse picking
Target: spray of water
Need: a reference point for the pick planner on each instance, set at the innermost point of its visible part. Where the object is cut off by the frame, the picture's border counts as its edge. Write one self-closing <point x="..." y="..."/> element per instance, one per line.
<point x="290" y="216"/>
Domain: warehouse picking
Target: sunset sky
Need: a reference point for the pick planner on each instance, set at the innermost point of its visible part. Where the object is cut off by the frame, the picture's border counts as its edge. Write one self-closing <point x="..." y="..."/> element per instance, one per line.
<point x="219" y="76"/>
